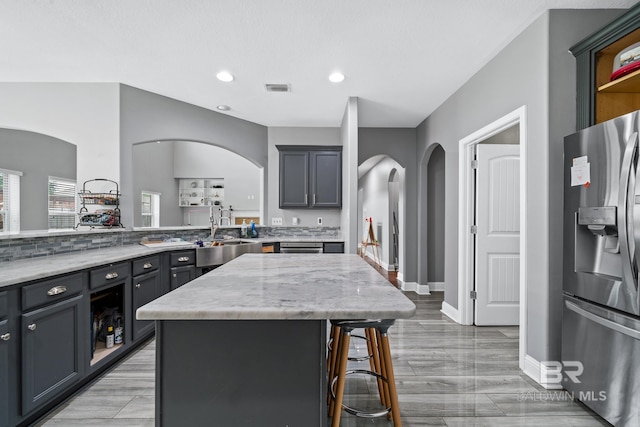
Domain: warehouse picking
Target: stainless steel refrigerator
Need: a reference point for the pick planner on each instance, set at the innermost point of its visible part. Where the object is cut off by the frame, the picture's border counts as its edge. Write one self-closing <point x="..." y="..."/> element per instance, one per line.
<point x="601" y="317"/>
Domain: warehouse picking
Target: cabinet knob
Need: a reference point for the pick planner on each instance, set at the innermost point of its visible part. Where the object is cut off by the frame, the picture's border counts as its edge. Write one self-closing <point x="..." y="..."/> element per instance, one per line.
<point x="175" y="275"/>
<point x="138" y="285"/>
<point x="5" y="337"/>
<point x="32" y="327"/>
<point x="147" y="265"/>
<point x="110" y="276"/>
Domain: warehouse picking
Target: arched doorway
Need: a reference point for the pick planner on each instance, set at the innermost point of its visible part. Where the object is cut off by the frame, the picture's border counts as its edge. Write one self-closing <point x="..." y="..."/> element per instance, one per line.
<point x="435" y="215"/>
<point x="381" y="196"/>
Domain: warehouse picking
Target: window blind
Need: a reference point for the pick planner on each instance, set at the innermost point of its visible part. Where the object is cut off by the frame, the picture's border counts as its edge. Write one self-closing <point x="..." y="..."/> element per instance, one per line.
<point x="62" y="203"/>
<point x="9" y="201"/>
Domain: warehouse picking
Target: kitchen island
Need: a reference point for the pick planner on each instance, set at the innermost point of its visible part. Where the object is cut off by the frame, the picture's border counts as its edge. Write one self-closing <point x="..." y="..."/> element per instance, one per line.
<point x="245" y="344"/>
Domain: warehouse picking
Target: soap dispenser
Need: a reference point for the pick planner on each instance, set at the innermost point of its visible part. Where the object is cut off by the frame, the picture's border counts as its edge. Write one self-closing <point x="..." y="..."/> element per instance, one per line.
<point x="243" y="229"/>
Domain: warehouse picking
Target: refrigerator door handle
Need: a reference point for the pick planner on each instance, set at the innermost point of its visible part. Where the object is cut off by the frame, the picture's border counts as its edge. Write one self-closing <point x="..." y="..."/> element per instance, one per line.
<point x="625" y="229"/>
<point x="635" y="334"/>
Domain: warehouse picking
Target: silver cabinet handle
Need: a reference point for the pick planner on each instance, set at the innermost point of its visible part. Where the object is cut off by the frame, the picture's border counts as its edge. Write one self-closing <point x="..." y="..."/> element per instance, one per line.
<point x="32" y="327"/>
<point x="57" y="290"/>
<point x="110" y="276"/>
<point x="183" y="259"/>
<point x="147" y="265"/>
<point x="314" y="198"/>
<point x="5" y="337"/>
<point x="138" y="285"/>
<point x="305" y="199"/>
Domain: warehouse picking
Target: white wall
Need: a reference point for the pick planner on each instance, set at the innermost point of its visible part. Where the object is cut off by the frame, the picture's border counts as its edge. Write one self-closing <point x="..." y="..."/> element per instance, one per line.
<point x="298" y="136"/>
<point x="84" y="114"/>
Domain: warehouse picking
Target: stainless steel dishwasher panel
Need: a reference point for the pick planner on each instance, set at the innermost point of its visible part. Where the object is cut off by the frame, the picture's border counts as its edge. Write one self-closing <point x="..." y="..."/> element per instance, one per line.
<point x="301" y="247"/>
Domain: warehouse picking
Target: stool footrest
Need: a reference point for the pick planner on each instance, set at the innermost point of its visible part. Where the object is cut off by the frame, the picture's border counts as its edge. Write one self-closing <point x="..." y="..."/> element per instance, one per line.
<point x="358" y="412"/>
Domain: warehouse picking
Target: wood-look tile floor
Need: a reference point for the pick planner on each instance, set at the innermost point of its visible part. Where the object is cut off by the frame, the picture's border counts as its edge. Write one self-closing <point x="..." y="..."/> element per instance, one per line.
<point x="447" y="375"/>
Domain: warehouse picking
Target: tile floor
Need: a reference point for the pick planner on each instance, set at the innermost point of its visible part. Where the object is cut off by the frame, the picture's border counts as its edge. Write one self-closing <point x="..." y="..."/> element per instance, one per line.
<point x="447" y="375"/>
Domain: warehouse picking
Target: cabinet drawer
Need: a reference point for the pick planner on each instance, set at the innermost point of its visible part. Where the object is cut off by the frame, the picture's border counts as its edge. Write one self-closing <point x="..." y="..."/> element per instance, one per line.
<point x="183" y="258"/>
<point x="145" y="265"/>
<point x="110" y="274"/>
<point x="333" y="248"/>
<point x="4" y="305"/>
<point x="51" y="290"/>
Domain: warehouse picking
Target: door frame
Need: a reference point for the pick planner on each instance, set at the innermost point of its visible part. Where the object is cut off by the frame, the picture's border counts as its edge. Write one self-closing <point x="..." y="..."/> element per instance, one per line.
<point x="466" y="216"/>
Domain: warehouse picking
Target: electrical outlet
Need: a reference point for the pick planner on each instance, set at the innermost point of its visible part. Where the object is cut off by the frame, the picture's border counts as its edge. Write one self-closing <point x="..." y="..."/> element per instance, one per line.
<point x="276" y="221"/>
<point x="319" y="220"/>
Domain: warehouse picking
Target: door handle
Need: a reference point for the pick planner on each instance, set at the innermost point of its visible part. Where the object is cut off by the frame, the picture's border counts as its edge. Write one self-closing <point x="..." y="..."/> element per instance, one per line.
<point x="624" y="233"/>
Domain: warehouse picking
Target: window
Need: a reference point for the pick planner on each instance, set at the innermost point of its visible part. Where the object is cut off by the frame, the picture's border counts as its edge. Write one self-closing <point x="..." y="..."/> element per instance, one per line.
<point x="150" y="209"/>
<point x="62" y="203"/>
<point x="9" y="201"/>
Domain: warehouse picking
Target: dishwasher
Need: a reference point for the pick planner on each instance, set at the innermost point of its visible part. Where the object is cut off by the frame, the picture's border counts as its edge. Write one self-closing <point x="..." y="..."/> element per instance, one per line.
<point x="301" y="247"/>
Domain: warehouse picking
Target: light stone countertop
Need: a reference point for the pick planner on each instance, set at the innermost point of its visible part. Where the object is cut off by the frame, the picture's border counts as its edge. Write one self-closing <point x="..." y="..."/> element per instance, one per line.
<point x="25" y="270"/>
<point x="284" y="286"/>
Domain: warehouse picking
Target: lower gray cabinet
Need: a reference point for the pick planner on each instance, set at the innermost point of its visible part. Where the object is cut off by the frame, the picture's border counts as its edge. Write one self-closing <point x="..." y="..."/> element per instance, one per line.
<point x="52" y="357"/>
<point x="146" y="288"/>
<point x="5" y="337"/>
<point x="182" y="275"/>
<point x="5" y="342"/>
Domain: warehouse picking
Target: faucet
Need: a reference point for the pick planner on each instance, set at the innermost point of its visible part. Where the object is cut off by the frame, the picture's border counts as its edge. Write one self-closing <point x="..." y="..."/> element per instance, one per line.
<point x="214" y="223"/>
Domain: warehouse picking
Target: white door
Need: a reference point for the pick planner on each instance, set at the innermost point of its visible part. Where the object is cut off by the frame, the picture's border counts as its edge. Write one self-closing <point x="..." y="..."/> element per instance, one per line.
<point x="497" y="245"/>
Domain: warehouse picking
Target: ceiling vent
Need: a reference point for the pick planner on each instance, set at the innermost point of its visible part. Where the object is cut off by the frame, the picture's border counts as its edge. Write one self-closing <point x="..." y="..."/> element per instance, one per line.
<point x="278" y="87"/>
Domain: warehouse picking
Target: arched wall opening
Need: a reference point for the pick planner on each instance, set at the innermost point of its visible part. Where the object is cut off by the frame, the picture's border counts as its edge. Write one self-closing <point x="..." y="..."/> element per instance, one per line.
<point x="159" y="165"/>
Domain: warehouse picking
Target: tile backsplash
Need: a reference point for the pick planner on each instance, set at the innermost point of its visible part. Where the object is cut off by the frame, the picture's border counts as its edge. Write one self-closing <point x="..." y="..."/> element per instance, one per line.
<point x="12" y="249"/>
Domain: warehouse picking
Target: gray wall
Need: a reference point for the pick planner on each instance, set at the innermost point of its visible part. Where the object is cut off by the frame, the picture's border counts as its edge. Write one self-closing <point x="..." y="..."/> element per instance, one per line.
<point x="154" y="172"/>
<point x="435" y="216"/>
<point x="38" y="157"/>
<point x="400" y="145"/>
<point x="534" y="70"/>
<point x="299" y="136"/>
<point x="145" y="116"/>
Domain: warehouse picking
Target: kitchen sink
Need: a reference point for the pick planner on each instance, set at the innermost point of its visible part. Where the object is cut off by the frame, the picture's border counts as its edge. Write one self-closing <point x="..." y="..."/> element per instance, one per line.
<point x="218" y="255"/>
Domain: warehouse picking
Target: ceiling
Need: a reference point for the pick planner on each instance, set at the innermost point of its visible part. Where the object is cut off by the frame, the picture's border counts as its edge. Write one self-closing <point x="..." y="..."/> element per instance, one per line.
<point x="402" y="59"/>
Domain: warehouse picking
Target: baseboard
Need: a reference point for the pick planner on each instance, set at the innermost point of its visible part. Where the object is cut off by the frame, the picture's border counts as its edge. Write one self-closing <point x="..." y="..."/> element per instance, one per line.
<point x="538" y="372"/>
<point x="382" y="264"/>
<point x="436" y="286"/>
<point x="450" y="312"/>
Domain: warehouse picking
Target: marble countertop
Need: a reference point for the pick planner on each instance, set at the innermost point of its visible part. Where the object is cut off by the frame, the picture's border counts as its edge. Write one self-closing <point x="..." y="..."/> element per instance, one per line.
<point x="25" y="270"/>
<point x="284" y="286"/>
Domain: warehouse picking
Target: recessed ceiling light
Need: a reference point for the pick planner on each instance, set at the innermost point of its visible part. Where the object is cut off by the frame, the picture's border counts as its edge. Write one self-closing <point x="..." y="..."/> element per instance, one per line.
<point x="224" y="76"/>
<point x="223" y="107"/>
<point x="336" y="77"/>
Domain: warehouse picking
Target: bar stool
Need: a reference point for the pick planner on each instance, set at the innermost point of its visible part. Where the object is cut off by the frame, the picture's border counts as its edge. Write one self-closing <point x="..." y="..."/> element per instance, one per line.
<point x="381" y="368"/>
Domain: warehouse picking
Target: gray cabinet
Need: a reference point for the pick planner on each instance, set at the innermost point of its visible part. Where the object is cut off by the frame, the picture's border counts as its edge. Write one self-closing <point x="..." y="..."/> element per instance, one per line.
<point x="5" y="343"/>
<point x="52" y="357"/>
<point x="310" y="176"/>
<point x="183" y="268"/>
<point x="182" y="275"/>
<point x="146" y="287"/>
<point x="598" y="98"/>
<point x="333" y="247"/>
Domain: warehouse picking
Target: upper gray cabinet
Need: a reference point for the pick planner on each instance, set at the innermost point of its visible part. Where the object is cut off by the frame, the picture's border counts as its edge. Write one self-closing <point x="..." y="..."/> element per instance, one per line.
<point x="310" y="176"/>
<point x="598" y="98"/>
